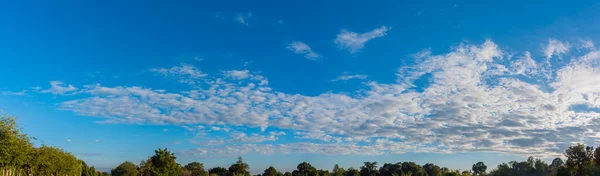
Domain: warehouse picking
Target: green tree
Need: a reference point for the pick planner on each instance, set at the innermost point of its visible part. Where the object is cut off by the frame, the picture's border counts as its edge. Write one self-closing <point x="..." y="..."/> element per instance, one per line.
<point x="163" y="163"/>
<point x="54" y="161"/>
<point x="413" y="169"/>
<point x="195" y="169"/>
<point x="432" y="169"/>
<point x="239" y="168"/>
<point x="579" y="159"/>
<point x="15" y="147"/>
<point x="369" y="169"/>
<point x="338" y="171"/>
<point x="271" y="171"/>
<point x="479" y="168"/>
<point x="556" y="164"/>
<point x="304" y="169"/>
<point x="352" y="172"/>
<point x="220" y="171"/>
<point x="125" y="169"/>
<point x="389" y="169"/>
<point x="287" y="174"/>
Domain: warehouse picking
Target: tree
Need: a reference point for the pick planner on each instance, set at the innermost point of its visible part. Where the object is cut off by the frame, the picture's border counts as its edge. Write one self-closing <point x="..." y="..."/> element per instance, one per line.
<point x="338" y="171"/>
<point x="556" y="164"/>
<point x="352" y="172"/>
<point x="597" y="156"/>
<point x="479" y="168"/>
<point x="271" y="171"/>
<point x="389" y="169"/>
<point x="541" y="167"/>
<point x="239" y="168"/>
<point x="220" y="171"/>
<point x="196" y="169"/>
<point x="15" y="147"/>
<point x="413" y="169"/>
<point x="369" y="169"/>
<point x="432" y="169"/>
<point x="163" y="163"/>
<point x="304" y="169"/>
<point x="579" y="159"/>
<point x="125" y="169"/>
<point x="287" y="174"/>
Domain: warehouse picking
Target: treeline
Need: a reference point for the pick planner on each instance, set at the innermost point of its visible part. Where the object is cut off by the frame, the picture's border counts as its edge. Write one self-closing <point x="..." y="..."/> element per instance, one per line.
<point x="18" y="157"/>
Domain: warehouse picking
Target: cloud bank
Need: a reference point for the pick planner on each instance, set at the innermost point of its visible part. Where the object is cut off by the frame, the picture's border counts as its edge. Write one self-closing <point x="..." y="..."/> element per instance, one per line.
<point x="477" y="98"/>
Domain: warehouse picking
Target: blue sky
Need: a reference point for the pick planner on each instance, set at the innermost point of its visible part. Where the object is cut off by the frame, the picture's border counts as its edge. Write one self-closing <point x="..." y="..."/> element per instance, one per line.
<point x="448" y="82"/>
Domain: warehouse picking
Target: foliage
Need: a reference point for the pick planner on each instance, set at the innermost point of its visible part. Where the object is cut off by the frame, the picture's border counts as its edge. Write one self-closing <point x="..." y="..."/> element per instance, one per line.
<point x="369" y="169"/>
<point x="579" y="159"/>
<point x="195" y="169"/>
<point x="479" y="168"/>
<point x="219" y="171"/>
<point x="239" y="168"/>
<point x="271" y="171"/>
<point x="432" y="169"/>
<point x="125" y="169"/>
<point x="338" y="171"/>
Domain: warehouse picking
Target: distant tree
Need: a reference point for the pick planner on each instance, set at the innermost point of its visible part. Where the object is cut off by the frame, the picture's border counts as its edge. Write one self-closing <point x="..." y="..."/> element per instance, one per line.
<point x="597" y="156"/>
<point x="432" y="169"/>
<point x="452" y="173"/>
<point x="322" y="172"/>
<point x="125" y="169"/>
<point x="196" y="169"/>
<point x="287" y="174"/>
<point x="389" y="169"/>
<point x="466" y="173"/>
<point x="413" y="169"/>
<point x="220" y="171"/>
<point x="556" y="164"/>
<point x="579" y="159"/>
<point x="352" y="172"/>
<point x="369" y="169"/>
<point x="304" y="169"/>
<point x="239" y="168"/>
<point x="338" y="171"/>
<point x="541" y="167"/>
<point x="163" y="163"/>
<point x="271" y="171"/>
<point x="479" y="168"/>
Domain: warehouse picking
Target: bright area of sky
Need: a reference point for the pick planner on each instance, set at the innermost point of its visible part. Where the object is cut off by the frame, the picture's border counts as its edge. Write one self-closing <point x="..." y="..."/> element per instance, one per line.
<point x="280" y="82"/>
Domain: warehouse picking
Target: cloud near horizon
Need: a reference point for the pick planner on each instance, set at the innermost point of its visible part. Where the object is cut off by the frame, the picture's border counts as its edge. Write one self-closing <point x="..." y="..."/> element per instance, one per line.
<point x="477" y="99"/>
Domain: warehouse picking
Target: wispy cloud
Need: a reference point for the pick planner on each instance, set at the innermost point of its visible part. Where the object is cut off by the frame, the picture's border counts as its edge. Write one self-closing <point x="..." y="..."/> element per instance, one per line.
<point x="556" y="48"/>
<point x="58" y="88"/>
<point x="244" y="19"/>
<point x="348" y="76"/>
<point x="302" y="48"/>
<point x="185" y="73"/>
<point x="353" y="41"/>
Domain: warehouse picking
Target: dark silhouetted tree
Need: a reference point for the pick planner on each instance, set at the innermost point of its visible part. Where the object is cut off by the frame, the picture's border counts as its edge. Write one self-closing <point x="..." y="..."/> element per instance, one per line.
<point x="479" y="168"/>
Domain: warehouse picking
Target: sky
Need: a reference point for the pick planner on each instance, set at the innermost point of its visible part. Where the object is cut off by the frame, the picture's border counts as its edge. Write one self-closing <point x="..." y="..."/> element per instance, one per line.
<point x="282" y="82"/>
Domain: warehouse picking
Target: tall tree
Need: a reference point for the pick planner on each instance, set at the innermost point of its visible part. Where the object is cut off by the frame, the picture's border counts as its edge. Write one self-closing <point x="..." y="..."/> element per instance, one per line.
<point x="556" y="164"/>
<point x="413" y="169"/>
<point x="125" y="169"/>
<point x="163" y="163"/>
<point x="432" y="169"/>
<point x="304" y="169"/>
<point x="239" y="168"/>
<point x="479" y="168"/>
<point x="579" y="159"/>
<point x="389" y="169"/>
<point x="338" y="171"/>
<point x="369" y="169"/>
<point x="271" y="171"/>
<point x="15" y="147"/>
<point x="196" y="169"/>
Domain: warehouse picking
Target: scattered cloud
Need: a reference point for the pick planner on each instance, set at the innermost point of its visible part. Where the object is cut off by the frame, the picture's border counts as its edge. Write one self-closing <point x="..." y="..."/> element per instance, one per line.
<point x="555" y="48"/>
<point x="59" y="88"/>
<point x="21" y="93"/>
<point x="348" y="76"/>
<point x="472" y="102"/>
<point x="186" y="73"/>
<point x="353" y="41"/>
<point x="244" y="19"/>
<point x="302" y="48"/>
<point x="237" y="74"/>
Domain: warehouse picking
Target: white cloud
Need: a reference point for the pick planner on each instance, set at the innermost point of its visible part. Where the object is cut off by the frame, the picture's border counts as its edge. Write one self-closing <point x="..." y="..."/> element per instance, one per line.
<point x="186" y="73"/>
<point x="302" y="48"/>
<point x="244" y="19"/>
<point x="21" y="93"/>
<point x="472" y="102"/>
<point x="353" y="41"/>
<point x="59" y="88"/>
<point x="556" y="48"/>
<point x="347" y="76"/>
<point x="237" y="74"/>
